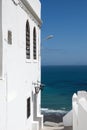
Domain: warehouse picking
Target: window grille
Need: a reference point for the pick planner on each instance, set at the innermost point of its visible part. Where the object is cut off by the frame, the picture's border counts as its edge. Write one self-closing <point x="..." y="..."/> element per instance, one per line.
<point x="34" y="44"/>
<point x="27" y="40"/>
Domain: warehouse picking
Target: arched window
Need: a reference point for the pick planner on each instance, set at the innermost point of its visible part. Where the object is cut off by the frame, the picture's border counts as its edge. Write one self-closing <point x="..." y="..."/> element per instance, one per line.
<point x="34" y="44"/>
<point x="27" y="40"/>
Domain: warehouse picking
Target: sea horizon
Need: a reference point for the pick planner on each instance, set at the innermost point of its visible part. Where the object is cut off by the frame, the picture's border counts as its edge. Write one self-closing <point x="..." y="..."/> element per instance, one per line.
<point x="62" y="65"/>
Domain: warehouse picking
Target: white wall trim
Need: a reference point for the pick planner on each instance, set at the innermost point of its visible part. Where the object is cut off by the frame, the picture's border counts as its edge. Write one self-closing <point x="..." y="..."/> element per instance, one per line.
<point x="27" y="7"/>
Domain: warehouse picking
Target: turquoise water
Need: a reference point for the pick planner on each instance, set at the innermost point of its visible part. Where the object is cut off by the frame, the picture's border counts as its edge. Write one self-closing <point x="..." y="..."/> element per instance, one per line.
<point x="61" y="82"/>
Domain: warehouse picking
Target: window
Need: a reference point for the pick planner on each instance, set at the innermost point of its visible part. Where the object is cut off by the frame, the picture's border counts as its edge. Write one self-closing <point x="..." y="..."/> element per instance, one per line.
<point x="9" y="37"/>
<point x="34" y="44"/>
<point x="27" y="40"/>
<point x="28" y="107"/>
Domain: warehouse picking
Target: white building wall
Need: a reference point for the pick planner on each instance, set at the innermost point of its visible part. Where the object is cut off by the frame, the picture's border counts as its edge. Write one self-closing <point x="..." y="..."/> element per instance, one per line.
<point x="75" y="112"/>
<point x="0" y="39"/>
<point x="80" y="111"/>
<point x="19" y="74"/>
<point x="82" y="114"/>
<point x="35" y="7"/>
<point x="3" y="105"/>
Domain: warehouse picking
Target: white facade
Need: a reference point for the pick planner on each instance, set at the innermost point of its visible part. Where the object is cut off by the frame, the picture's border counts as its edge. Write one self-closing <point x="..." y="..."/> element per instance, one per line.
<point x="80" y="111"/>
<point x="19" y="104"/>
<point x="78" y="116"/>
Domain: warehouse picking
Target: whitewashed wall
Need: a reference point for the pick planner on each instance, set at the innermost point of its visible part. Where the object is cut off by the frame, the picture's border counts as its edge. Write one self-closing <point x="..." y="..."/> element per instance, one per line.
<point x="0" y="39"/>
<point x="36" y="5"/>
<point x="80" y="111"/>
<point x="75" y="112"/>
<point x="19" y="73"/>
<point x="78" y="116"/>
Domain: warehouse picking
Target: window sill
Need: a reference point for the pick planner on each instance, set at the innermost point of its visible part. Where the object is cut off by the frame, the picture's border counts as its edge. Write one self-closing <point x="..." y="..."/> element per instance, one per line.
<point x="35" y="61"/>
<point x="28" y="60"/>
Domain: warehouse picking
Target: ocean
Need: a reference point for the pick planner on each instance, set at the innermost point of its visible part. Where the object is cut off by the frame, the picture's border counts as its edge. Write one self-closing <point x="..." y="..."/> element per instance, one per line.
<point x="61" y="82"/>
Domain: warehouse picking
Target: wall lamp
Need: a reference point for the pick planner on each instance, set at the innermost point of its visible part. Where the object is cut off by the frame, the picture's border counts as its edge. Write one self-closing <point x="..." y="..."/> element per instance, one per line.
<point x="38" y="86"/>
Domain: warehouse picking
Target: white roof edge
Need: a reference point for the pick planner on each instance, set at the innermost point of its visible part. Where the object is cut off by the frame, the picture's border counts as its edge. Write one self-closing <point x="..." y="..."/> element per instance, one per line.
<point x="30" y="9"/>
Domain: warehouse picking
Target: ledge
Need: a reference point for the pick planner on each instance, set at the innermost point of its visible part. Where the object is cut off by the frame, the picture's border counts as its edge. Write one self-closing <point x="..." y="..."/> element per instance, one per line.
<point x="30" y="9"/>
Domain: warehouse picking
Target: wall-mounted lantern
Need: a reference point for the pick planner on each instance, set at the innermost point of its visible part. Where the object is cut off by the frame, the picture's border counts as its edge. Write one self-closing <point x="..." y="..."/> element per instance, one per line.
<point x="38" y="86"/>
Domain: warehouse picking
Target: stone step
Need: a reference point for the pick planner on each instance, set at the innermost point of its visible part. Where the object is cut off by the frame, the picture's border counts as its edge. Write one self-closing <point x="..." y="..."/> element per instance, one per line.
<point x="55" y="126"/>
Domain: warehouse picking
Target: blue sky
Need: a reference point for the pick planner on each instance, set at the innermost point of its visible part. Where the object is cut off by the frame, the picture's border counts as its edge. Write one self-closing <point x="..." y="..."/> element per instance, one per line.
<point x="67" y="21"/>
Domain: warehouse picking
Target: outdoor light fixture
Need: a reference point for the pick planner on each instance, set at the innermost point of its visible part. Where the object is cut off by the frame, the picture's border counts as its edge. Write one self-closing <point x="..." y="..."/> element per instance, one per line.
<point x="38" y="86"/>
<point x="49" y="37"/>
<point x="37" y="89"/>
